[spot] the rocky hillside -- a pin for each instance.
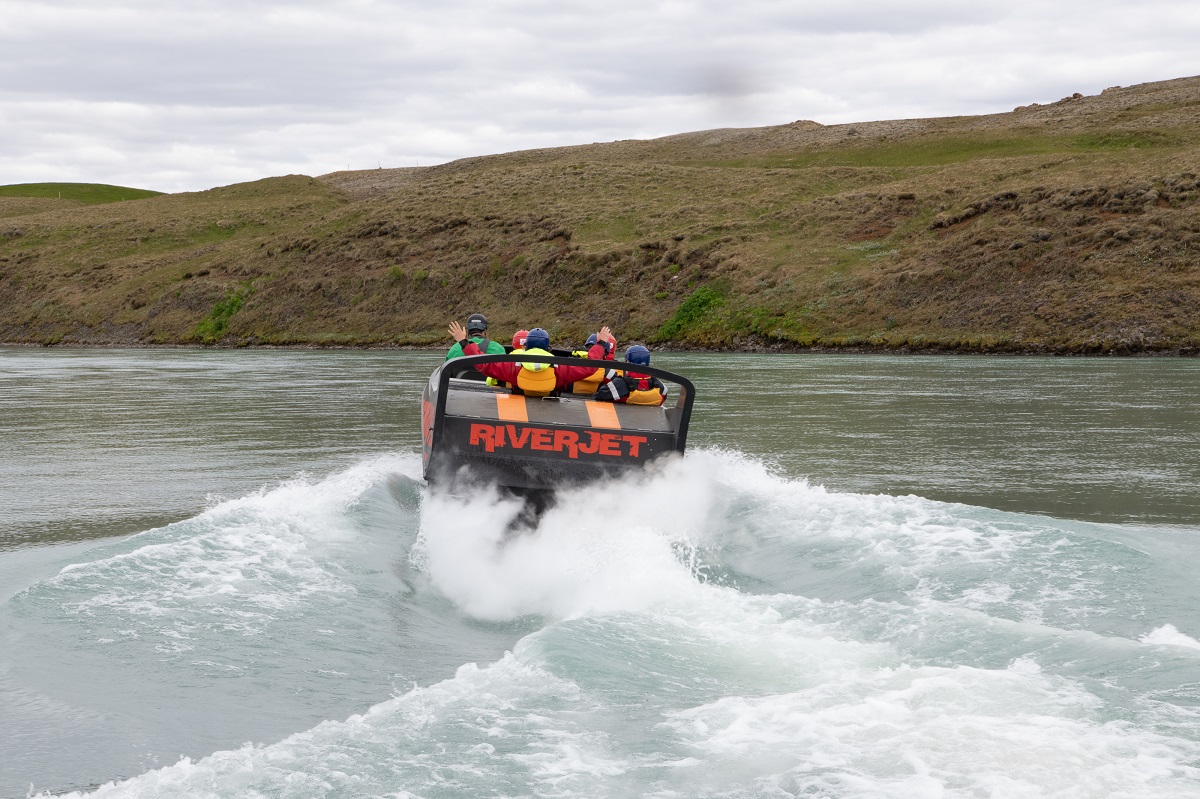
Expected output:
(1068, 227)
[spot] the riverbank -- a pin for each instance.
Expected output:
(1070, 227)
(750, 348)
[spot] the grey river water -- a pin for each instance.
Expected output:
(871, 576)
(101, 442)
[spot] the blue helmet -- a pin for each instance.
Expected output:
(591, 340)
(638, 354)
(538, 339)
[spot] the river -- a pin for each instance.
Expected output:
(871, 576)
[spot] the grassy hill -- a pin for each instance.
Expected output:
(1069, 227)
(83, 193)
(22, 199)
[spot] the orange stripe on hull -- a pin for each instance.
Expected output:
(511, 408)
(603, 414)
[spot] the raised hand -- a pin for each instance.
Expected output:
(606, 335)
(457, 331)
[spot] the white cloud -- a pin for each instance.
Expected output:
(178, 97)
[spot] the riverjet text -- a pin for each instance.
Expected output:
(494, 437)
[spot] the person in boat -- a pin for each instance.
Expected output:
(634, 388)
(476, 331)
(591, 384)
(518, 345)
(535, 379)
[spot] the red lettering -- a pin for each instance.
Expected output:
(540, 439)
(492, 437)
(610, 444)
(568, 441)
(518, 440)
(483, 434)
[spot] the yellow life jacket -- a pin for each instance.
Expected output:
(491, 381)
(652, 395)
(536, 379)
(589, 384)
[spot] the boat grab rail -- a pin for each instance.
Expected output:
(679, 415)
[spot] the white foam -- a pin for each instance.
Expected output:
(615, 695)
(446, 734)
(858, 731)
(609, 546)
(909, 534)
(1022, 567)
(616, 546)
(232, 569)
(713, 636)
(936, 731)
(1168, 635)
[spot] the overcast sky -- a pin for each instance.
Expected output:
(184, 96)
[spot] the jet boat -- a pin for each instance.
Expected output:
(475, 434)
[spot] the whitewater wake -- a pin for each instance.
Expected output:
(713, 628)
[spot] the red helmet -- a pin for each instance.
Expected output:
(519, 339)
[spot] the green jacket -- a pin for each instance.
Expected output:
(492, 348)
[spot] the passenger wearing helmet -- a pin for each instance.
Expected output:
(634, 388)
(518, 345)
(531, 378)
(590, 384)
(476, 331)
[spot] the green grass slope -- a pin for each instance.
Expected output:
(85, 193)
(1070, 227)
(22, 199)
